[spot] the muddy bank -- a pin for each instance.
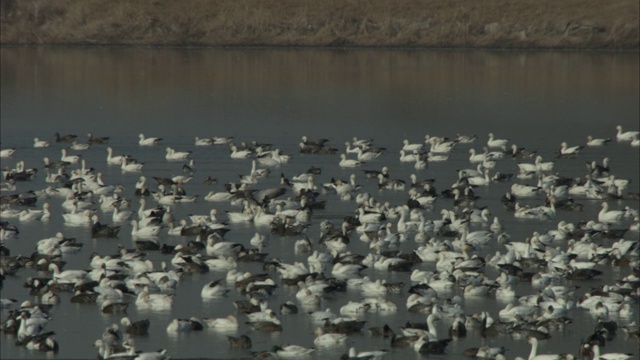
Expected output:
(568, 24)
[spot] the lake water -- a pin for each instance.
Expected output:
(535, 99)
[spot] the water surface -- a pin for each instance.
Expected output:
(535, 99)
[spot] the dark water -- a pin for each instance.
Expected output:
(537, 100)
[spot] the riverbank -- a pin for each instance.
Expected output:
(518, 24)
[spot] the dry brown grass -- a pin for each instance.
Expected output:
(397, 23)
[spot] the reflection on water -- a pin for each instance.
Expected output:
(301, 89)
(536, 99)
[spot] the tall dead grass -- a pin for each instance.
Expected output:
(389, 23)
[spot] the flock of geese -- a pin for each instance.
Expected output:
(558, 264)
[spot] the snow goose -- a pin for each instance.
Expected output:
(591, 141)
(222, 140)
(411, 147)
(354, 354)
(344, 162)
(130, 166)
(326, 340)
(496, 143)
(476, 158)
(258, 173)
(521, 190)
(172, 154)
(67, 276)
(222, 264)
(420, 164)
(533, 355)
(71, 159)
(480, 180)
(361, 142)
(413, 157)
(37, 143)
(228, 323)
(609, 216)
(367, 155)
(146, 355)
(239, 154)
(120, 215)
(114, 160)
(610, 356)
(202, 142)
(76, 217)
(147, 231)
(440, 146)
(351, 150)
(30, 326)
(78, 146)
(145, 300)
(143, 141)
(626, 136)
(292, 351)
(31, 215)
(5, 153)
(391, 184)
(431, 156)
(569, 150)
(466, 139)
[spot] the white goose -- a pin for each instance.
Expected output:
(31, 215)
(480, 180)
(121, 215)
(439, 146)
(78, 146)
(626, 136)
(67, 276)
(367, 155)
(476, 158)
(213, 290)
(323, 339)
(153, 301)
(229, 323)
(131, 166)
(172, 154)
(37, 143)
(411, 147)
(591, 141)
(147, 231)
(5, 153)
(72, 159)
(610, 216)
(569, 150)
(413, 157)
(148, 141)
(533, 355)
(609, 356)
(344, 162)
(78, 218)
(114, 160)
(202, 142)
(496, 143)
(239, 154)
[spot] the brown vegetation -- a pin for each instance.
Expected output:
(588, 24)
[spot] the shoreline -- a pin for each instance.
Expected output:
(334, 48)
(331, 24)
